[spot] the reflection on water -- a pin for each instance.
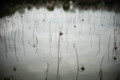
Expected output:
(33, 39)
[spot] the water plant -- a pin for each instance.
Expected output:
(100, 71)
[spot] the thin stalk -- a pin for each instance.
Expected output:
(91, 40)
(99, 43)
(9, 43)
(108, 22)
(109, 46)
(90, 31)
(94, 24)
(50, 37)
(18, 32)
(5, 42)
(59, 59)
(23, 38)
(34, 45)
(77, 61)
(48, 67)
(100, 72)
(15, 46)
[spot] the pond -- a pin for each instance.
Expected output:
(76, 44)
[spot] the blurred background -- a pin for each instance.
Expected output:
(59, 40)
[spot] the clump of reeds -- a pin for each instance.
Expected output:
(100, 72)
(48, 67)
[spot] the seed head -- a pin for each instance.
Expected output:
(115, 47)
(82, 68)
(60, 33)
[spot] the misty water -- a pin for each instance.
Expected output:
(30, 42)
